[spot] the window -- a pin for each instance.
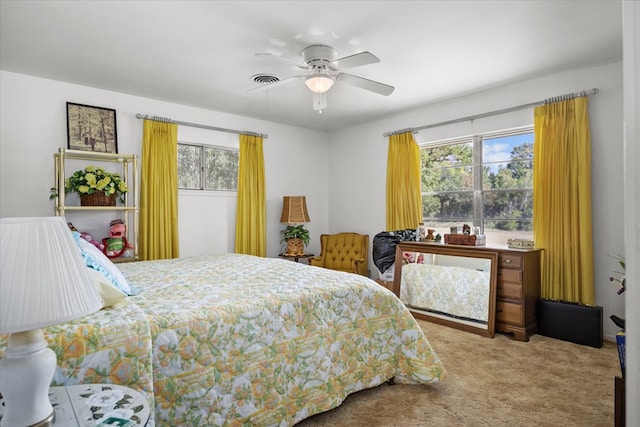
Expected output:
(205, 167)
(484, 180)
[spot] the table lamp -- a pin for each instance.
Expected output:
(295, 214)
(43, 282)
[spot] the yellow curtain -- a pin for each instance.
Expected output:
(158, 237)
(251, 231)
(562, 200)
(404, 201)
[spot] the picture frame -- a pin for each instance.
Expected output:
(91, 128)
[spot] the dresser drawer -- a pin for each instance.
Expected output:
(508, 260)
(510, 313)
(506, 275)
(510, 290)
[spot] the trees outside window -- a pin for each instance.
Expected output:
(205, 167)
(483, 180)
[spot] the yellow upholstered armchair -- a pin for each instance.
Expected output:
(344, 251)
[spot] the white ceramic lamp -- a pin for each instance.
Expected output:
(43, 282)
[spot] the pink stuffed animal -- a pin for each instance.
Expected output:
(116, 244)
(88, 238)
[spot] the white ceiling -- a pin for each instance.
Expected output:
(202, 53)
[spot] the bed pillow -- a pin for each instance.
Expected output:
(109, 293)
(95, 259)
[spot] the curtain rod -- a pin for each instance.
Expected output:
(196, 125)
(565, 97)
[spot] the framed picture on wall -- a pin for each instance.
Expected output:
(91, 128)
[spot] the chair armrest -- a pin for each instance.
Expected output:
(355, 264)
(316, 261)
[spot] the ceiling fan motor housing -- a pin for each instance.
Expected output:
(319, 55)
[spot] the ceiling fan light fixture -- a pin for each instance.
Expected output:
(319, 83)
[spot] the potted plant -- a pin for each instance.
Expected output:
(297, 237)
(96, 187)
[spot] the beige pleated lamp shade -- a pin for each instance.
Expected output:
(43, 279)
(294, 210)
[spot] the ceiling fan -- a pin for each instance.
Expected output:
(323, 69)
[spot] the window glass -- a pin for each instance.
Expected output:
(205, 167)
(447, 167)
(189, 166)
(221, 168)
(484, 181)
(507, 161)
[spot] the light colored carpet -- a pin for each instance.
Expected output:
(493, 382)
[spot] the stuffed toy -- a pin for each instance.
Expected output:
(87, 237)
(116, 244)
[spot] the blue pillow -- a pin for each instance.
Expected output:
(95, 259)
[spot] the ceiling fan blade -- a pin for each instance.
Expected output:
(319, 101)
(283, 59)
(363, 58)
(366, 84)
(268, 86)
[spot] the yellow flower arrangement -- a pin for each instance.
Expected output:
(92, 179)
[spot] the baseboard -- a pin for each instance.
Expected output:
(580, 324)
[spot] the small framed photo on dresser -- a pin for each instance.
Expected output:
(91, 128)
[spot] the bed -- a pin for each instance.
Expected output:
(236, 339)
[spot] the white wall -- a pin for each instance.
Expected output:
(33, 127)
(631, 72)
(360, 206)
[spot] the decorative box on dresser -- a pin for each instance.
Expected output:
(518, 291)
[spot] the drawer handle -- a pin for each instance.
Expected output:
(507, 261)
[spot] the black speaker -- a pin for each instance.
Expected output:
(567, 321)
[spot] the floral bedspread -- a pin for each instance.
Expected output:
(241, 340)
(110, 346)
(461, 292)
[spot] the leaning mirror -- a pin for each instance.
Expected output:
(448, 284)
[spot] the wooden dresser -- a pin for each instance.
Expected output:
(518, 292)
(518, 287)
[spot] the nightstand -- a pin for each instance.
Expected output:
(84, 405)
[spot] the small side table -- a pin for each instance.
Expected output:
(86, 405)
(297, 257)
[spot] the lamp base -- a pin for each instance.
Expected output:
(47, 422)
(295, 246)
(26, 371)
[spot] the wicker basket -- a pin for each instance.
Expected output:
(97, 199)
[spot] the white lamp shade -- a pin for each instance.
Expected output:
(43, 279)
